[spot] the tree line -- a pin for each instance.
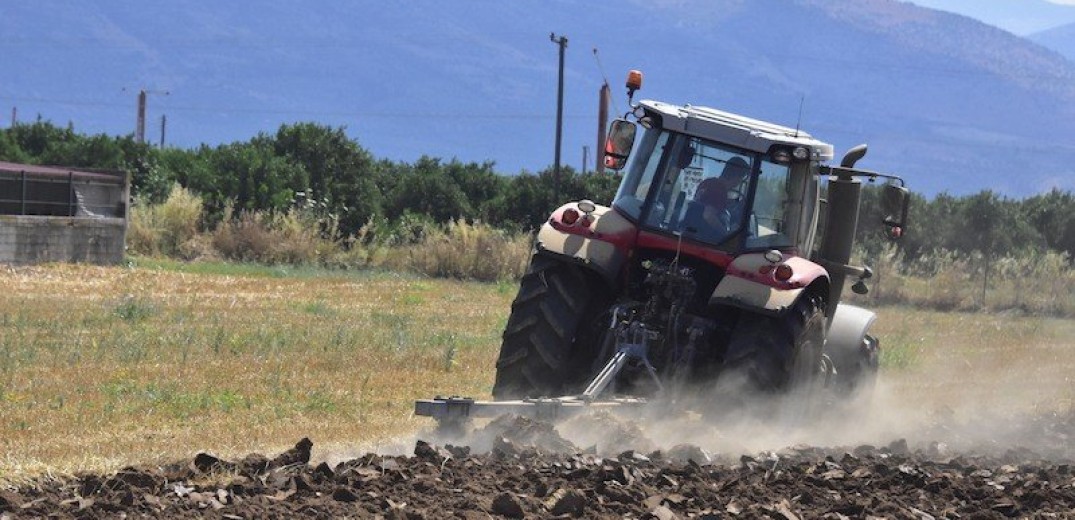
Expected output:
(319, 167)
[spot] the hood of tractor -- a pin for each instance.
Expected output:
(734, 129)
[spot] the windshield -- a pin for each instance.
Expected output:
(701, 189)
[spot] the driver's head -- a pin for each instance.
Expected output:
(735, 170)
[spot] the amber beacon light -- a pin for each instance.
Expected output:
(634, 82)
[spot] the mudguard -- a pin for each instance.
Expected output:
(601, 241)
(848, 328)
(854, 354)
(748, 283)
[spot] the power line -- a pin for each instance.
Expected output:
(359, 114)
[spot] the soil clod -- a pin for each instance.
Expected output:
(527, 469)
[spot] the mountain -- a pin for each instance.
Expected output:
(949, 102)
(1017, 16)
(1060, 39)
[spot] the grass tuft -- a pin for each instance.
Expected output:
(133, 308)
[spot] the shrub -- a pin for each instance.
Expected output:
(287, 238)
(466, 251)
(1033, 281)
(165, 228)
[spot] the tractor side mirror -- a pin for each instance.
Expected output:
(621, 138)
(894, 202)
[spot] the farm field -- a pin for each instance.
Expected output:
(106, 367)
(101, 367)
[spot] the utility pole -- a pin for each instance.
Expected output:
(14, 116)
(585, 158)
(562, 43)
(140, 126)
(164, 124)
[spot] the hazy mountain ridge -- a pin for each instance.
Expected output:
(953, 103)
(1060, 39)
(1021, 17)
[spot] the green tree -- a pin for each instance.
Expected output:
(10, 150)
(427, 189)
(340, 172)
(1053, 216)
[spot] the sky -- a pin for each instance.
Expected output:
(1022, 17)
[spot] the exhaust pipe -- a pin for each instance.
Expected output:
(844, 198)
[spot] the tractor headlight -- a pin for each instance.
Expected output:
(801, 153)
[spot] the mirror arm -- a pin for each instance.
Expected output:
(840, 171)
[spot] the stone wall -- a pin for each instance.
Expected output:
(38, 239)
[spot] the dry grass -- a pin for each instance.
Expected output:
(102, 367)
(166, 228)
(1033, 282)
(300, 237)
(105, 367)
(465, 251)
(978, 362)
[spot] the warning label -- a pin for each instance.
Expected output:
(690, 178)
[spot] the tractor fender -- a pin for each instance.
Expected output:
(846, 343)
(748, 283)
(848, 328)
(600, 241)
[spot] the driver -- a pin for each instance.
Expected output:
(719, 196)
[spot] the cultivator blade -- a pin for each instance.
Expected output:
(456, 409)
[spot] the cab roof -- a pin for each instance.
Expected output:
(734, 129)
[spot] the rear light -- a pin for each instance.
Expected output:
(783, 272)
(570, 216)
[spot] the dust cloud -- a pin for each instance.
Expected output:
(1015, 404)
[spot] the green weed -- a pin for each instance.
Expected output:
(134, 308)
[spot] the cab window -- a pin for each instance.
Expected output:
(639, 178)
(768, 218)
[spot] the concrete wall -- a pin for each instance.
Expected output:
(36, 239)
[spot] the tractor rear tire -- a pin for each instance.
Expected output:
(538, 356)
(778, 355)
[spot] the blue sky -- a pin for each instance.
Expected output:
(1022, 17)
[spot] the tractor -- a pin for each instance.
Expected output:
(703, 269)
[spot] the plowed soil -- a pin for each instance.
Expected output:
(525, 468)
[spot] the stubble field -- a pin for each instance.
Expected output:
(103, 368)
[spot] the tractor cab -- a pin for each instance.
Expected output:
(717, 179)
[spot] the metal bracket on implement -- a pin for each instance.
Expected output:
(459, 409)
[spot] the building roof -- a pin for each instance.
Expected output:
(61, 171)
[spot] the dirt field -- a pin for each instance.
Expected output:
(531, 471)
(121, 377)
